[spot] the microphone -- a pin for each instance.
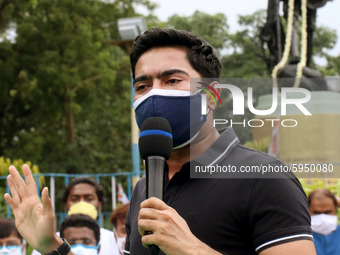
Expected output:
(155, 147)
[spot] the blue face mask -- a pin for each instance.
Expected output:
(181, 108)
(80, 249)
(11, 250)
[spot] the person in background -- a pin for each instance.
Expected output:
(326, 231)
(117, 219)
(83, 195)
(83, 234)
(11, 241)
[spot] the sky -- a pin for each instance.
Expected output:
(327, 15)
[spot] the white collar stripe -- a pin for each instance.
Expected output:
(225, 151)
(282, 239)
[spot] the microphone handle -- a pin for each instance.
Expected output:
(155, 176)
(154, 183)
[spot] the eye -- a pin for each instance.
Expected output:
(173, 81)
(89, 198)
(140, 87)
(71, 241)
(74, 198)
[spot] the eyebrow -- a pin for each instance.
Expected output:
(159, 76)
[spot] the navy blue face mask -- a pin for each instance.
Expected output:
(180, 108)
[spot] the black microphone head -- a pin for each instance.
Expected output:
(155, 138)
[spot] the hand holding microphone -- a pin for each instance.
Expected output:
(160, 226)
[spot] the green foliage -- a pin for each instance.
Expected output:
(261, 145)
(308, 187)
(247, 59)
(65, 93)
(65, 89)
(5, 163)
(333, 66)
(213, 28)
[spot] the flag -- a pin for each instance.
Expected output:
(275, 139)
(122, 197)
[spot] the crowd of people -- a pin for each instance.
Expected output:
(83, 200)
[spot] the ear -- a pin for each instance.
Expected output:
(23, 248)
(216, 94)
(66, 207)
(99, 207)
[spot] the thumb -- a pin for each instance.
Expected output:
(47, 204)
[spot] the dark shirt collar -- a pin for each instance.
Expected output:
(219, 150)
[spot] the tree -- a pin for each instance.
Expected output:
(65, 92)
(213, 28)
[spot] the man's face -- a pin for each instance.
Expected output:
(83, 192)
(322, 204)
(120, 228)
(83, 235)
(12, 240)
(163, 68)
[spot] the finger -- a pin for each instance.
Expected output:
(146, 225)
(19, 182)
(10, 202)
(148, 213)
(47, 203)
(31, 185)
(154, 203)
(148, 240)
(15, 195)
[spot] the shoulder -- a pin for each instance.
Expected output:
(104, 231)
(107, 242)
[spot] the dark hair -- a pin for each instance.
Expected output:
(201, 54)
(99, 189)
(324, 192)
(119, 213)
(80, 220)
(7, 227)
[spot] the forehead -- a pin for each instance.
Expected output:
(82, 189)
(78, 233)
(159, 59)
(321, 201)
(11, 238)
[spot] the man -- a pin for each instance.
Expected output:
(85, 195)
(11, 241)
(198, 216)
(82, 232)
(85, 189)
(205, 216)
(326, 231)
(117, 219)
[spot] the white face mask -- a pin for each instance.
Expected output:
(121, 244)
(10, 250)
(80, 249)
(324, 224)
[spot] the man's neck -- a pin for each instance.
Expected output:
(179, 156)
